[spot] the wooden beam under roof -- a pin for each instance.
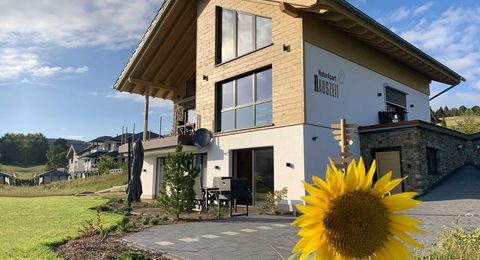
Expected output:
(173, 57)
(182, 64)
(166, 46)
(144, 83)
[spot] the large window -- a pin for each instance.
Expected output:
(245, 102)
(240, 33)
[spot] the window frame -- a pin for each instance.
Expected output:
(219, 110)
(218, 35)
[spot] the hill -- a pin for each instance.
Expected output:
(69, 141)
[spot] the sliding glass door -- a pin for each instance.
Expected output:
(256, 165)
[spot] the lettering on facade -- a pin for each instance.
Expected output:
(327, 84)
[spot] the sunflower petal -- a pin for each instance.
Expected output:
(406, 238)
(380, 184)
(314, 191)
(351, 177)
(369, 178)
(399, 202)
(403, 220)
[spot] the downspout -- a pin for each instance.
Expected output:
(447, 89)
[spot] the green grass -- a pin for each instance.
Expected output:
(30, 225)
(23, 172)
(94, 183)
(452, 121)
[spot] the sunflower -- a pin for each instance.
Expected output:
(347, 217)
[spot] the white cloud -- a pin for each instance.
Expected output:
(403, 13)
(423, 8)
(95, 94)
(452, 38)
(26, 63)
(127, 97)
(111, 24)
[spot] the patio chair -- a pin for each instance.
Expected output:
(199, 195)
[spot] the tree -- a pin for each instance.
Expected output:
(106, 163)
(440, 113)
(476, 110)
(462, 110)
(178, 195)
(57, 154)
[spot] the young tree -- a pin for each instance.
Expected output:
(462, 110)
(105, 164)
(178, 195)
(57, 154)
(476, 110)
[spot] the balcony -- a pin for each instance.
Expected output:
(385, 117)
(165, 144)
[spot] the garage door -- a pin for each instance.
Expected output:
(389, 161)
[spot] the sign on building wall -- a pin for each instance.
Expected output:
(339, 88)
(328, 84)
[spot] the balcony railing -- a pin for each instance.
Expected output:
(385, 117)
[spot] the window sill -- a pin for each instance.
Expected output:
(243, 130)
(239, 57)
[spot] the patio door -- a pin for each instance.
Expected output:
(256, 165)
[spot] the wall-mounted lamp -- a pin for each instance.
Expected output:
(315, 138)
(411, 105)
(286, 48)
(379, 94)
(459, 147)
(205, 77)
(290, 165)
(144, 170)
(217, 167)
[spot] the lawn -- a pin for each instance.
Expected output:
(452, 121)
(23, 172)
(92, 184)
(30, 225)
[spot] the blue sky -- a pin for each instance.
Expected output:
(59, 59)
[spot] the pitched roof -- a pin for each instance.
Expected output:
(4, 174)
(94, 155)
(118, 138)
(53, 173)
(101, 139)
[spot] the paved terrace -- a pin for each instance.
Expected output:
(457, 198)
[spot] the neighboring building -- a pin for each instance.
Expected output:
(52, 176)
(4, 179)
(268, 78)
(75, 164)
(83, 158)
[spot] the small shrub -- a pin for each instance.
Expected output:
(165, 218)
(92, 227)
(146, 220)
(155, 221)
(131, 255)
(126, 209)
(103, 208)
(455, 243)
(272, 201)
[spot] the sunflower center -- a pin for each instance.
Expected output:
(356, 224)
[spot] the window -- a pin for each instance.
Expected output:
(245, 102)
(432, 161)
(241, 33)
(396, 100)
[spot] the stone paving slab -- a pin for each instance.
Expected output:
(455, 200)
(240, 238)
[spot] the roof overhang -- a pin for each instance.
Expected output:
(347, 18)
(165, 57)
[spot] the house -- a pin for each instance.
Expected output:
(75, 164)
(52, 176)
(83, 158)
(267, 79)
(4, 179)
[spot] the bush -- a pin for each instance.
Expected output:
(146, 220)
(455, 243)
(125, 225)
(177, 195)
(272, 201)
(131, 255)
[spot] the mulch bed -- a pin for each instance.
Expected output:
(98, 248)
(110, 246)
